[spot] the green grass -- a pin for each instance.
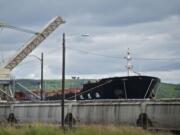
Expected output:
(39, 129)
(35, 129)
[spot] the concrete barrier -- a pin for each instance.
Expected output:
(159, 114)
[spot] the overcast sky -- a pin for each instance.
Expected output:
(150, 28)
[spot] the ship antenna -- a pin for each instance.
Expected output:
(129, 65)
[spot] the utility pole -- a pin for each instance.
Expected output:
(63, 80)
(42, 84)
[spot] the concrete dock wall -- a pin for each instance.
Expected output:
(163, 114)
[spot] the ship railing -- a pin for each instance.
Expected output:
(91, 89)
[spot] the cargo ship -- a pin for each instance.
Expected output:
(127, 87)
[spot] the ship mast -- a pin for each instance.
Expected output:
(129, 65)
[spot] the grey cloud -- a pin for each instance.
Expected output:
(89, 12)
(148, 28)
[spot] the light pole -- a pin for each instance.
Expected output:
(42, 82)
(63, 76)
(42, 77)
(63, 80)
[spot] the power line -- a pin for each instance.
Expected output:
(158, 59)
(94, 53)
(116, 57)
(4, 25)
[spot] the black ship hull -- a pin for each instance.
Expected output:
(131, 87)
(128, 87)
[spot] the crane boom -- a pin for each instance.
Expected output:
(33, 43)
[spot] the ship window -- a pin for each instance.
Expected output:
(118, 92)
(81, 97)
(89, 96)
(97, 95)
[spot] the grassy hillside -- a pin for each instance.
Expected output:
(169, 91)
(50, 84)
(165, 90)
